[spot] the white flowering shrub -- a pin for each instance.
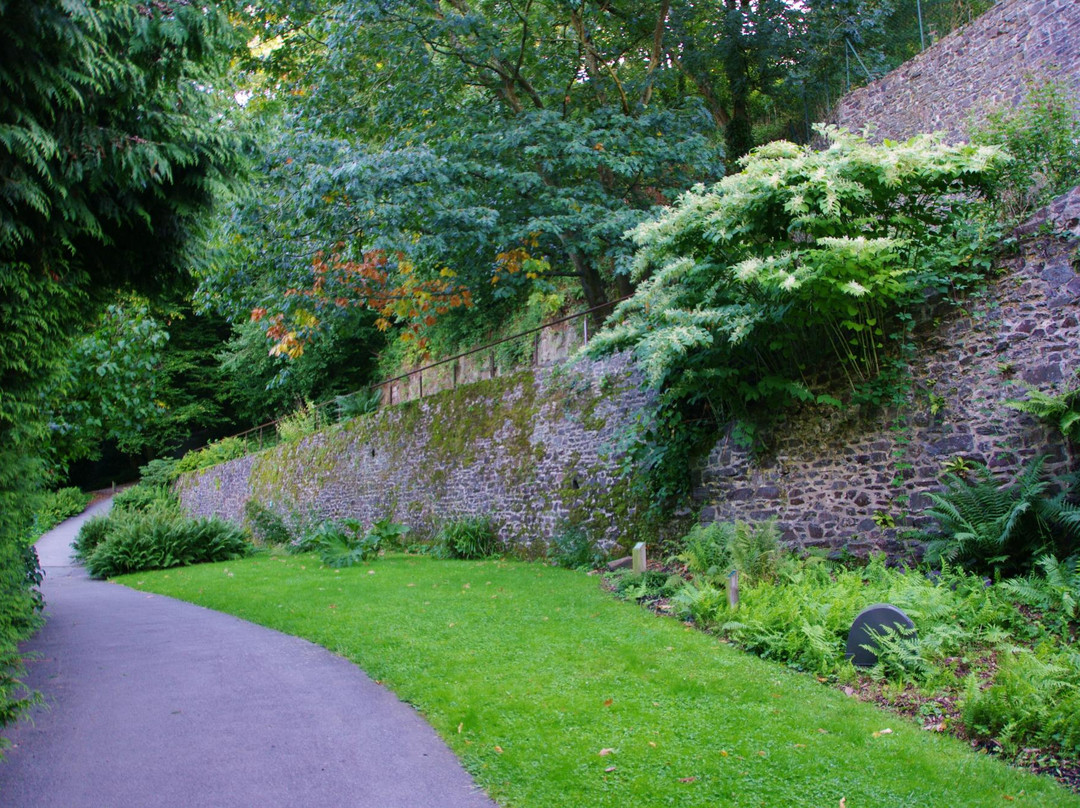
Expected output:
(802, 259)
(799, 270)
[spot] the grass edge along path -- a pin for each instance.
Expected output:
(555, 694)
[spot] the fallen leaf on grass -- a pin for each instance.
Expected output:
(652, 744)
(687, 779)
(499, 749)
(843, 802)
(606, 751)
(460, 727)
(609, 769)
(608, 702)
(885, 731)
(723, 753)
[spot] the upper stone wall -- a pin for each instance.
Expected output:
(971, 71)
(834, 478)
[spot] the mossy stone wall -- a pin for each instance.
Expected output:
(532, 450)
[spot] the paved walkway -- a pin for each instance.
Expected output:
(154, 702)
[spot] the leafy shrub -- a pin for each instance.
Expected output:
(471, 537)
(806, 264)
(266, 525)
(160, 538)
(160, 472)
(699, 602)
(713, 551)
(1034, 700)
(389, 533)
(56, 506)
(1061, 411)
(359, 403)
(1055, 592)
(649, 585)
(802, 618)
(343, 543)
(299, 424)
(1042, 135)
(705, 551)
(141, 498)
(213, 453)
(573, 548)
(93, 532)
(989, 527)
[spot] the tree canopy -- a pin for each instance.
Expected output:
(110, 152)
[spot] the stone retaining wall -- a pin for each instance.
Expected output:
(979, 66)
(531, 450)
(836, 479)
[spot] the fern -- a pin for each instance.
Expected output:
(997, 528)
(1061, 411)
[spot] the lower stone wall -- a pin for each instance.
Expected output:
(530, 450)
(834, 478)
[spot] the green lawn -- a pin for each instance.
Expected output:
(555, 694)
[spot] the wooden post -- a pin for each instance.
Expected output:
(639, 557)
(733, 589)
(421, 374)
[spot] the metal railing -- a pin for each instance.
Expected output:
(322, 419)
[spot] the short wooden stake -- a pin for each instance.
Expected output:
(733, 589)
(639, 557)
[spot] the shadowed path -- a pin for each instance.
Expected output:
(155, 702)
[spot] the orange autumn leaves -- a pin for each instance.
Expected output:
(392, 288)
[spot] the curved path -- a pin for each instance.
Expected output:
(154, 702)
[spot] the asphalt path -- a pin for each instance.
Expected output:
(154, 702)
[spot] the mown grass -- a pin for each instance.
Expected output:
(530, 672)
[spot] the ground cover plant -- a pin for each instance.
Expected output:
(56, 506)
(147, 529)
(555, 694)
(991, 660)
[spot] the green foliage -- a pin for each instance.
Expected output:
(213, 453)
(109, 156)
(142, 497)
(573, 548)
(92, 533)
(711, 552)
(990, 527)
(160, 538)
(705, 551)
(699, 602)
(303, 421)
(1034, 700)
(1054, 589)
(647, 586)
(1042, 135)
(388, 533)
(469, 537)
(56, 506)
(266, 524)
(159, 472)
(344, 543)
(762, 291)
(1061, 411)
(109, 386)
(362, 402)
(264, 388)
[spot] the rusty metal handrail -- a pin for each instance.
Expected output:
(486, 347)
